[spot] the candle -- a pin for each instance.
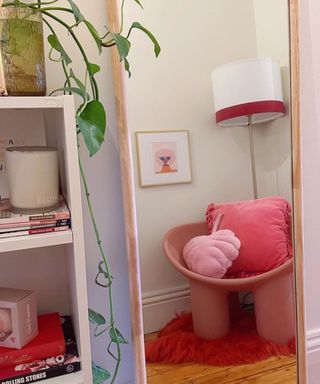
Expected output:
(5, 321)
(33, 179)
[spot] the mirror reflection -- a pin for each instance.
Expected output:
(211, 134)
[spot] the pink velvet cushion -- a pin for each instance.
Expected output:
(262, 226)
(212, 255)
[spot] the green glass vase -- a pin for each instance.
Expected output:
(22, 63)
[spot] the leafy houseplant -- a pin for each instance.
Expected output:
(91, 124)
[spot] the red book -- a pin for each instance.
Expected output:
(46, 368)
(49, 342)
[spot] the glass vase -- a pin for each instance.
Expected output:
(22, 63)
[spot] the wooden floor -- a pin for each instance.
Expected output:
(278, 370)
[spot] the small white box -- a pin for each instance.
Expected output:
(18, 317)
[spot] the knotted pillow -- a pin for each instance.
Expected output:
(262, 226)
(212, 255)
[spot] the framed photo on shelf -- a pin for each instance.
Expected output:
(163, 157)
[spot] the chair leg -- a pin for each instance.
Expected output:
(210, 310)
(274, 309)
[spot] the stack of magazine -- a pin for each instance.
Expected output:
(13, 224)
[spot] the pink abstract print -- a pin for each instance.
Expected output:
(164, 157)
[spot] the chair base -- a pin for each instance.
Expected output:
(210, 311)
(274, 309)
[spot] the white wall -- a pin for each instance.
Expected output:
(310, 120)
(273, 139)
(174, 92)
(103, 174)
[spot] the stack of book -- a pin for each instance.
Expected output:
(52, 353)
(13, 224)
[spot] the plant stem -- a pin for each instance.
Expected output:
(62, 61)
(102, 253)
(55, 9)
(96, 231)
(93, 82)
(121, 23)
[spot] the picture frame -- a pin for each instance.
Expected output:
(163, 157)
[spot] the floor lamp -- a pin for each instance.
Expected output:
(248, 92)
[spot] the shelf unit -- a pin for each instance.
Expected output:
(53, 264)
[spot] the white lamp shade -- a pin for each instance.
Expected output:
(247, 87)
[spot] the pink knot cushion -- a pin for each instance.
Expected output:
(211, 255)
(262, 226)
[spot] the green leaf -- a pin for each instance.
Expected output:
(96, 318)
(123, 45)
(100, 375)
(92, 123)
(127, 67)
(80, 18)
(138, 2)
(116, 336)
(94, 34)
(76, 12)
(55, 44)
(93, 68)
(157, 48)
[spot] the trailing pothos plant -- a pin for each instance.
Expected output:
(91, 124)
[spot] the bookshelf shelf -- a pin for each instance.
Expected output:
(35, 241)
(44, 102)
(50, 264)
(72, 378)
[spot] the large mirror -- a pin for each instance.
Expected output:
(213, 124)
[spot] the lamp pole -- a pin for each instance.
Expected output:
(253, 161)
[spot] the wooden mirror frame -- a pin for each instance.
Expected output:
(130, 205)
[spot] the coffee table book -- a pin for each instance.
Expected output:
(47, 368)
(49, 342)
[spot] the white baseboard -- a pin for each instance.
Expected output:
(159, 307)
(313, 346)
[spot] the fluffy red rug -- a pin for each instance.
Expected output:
(177, 344)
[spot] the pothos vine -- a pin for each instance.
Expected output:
(91, 124)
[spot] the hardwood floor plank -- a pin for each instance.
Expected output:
(278, 370)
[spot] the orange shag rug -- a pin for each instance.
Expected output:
(178, 344)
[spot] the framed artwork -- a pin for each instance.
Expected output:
(163, 157)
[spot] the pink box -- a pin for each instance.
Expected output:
(18, 317)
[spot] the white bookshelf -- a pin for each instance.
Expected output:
(32, 102)
(35, 241)
(72, 378)
(53, 264)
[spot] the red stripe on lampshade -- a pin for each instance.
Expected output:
(246, 109)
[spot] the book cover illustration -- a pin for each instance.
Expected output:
(46, 368)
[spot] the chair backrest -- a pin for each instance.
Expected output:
(175, 239)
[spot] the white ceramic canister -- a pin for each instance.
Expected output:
(33, 178)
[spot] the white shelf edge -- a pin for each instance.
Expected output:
(35, 241)
(31, 102)
(70, 378)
